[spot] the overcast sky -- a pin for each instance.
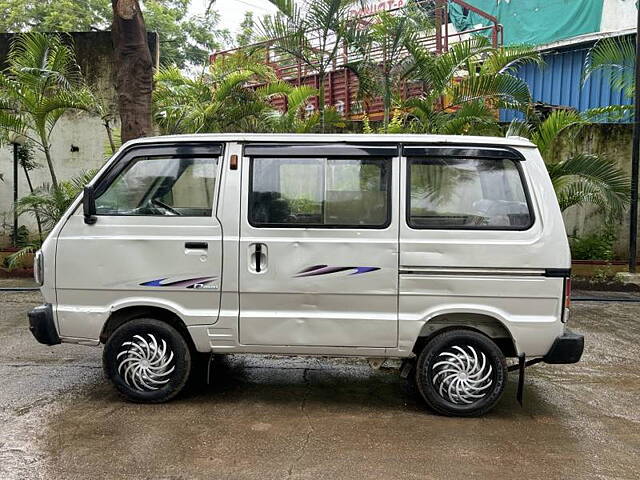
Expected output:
(232, 11)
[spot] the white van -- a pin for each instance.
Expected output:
(448, 252)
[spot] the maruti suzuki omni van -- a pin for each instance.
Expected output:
(447, 252)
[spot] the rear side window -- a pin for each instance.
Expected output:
(320, 192)
(467, 193)
(162, 186)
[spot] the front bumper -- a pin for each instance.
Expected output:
(42, 326)
(567, 348)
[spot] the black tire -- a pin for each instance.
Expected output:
(158, 372)
(453, 383)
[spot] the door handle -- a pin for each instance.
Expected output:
(258, 258)
(196, 246)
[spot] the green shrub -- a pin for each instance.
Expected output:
(597, 246)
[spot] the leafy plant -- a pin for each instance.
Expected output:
(385, 59)
(615, 59)
(465, 86)
(20, 238)
(219, 100)
(313, 35)
(48, 203)
(41, 83)
(581, 178)
(295, 118)
(596, 246)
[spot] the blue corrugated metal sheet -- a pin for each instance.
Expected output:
(559, 82)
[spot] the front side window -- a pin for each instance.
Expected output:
(162, 186)
(467, 193)
(320, 192)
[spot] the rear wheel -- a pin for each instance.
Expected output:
(147, 360)
(461, 373)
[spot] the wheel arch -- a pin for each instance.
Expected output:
(119, 317)
(481, 322)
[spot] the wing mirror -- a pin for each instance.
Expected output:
(89, 205)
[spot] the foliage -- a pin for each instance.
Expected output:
(614, 58)
(185, 38)
(219, 100)
(247, 33)
(465, 86)
(312, 34)
(581, 178)
(295, 118)
(41, 83)
(48, 204)
(388, 36)
(597, 246)
(20, 238)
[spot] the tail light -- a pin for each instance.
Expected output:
(567, 299)
(38, 268)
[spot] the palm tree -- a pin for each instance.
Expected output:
(582, 178)
(385, 59)
(295, 118)
(466, 85)
(312, 35)
(615, 58)
(47, 204)
(41, 83)
(220, 100)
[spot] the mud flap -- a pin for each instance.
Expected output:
(523, 363)
(521, 368)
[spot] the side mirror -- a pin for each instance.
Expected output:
(89, 206)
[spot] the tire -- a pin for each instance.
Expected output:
(148, 361)
(461, 373)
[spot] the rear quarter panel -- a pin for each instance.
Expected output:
(495, 273)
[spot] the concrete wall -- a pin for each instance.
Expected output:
(618, 15)
(614, 141)
(94, 51)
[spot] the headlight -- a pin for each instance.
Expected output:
(38, 268)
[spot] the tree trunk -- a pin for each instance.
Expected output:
(26, 174)
(112, 143)
(134, 66)
(47, 154)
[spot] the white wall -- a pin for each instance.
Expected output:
(618, 15)
(78, 129)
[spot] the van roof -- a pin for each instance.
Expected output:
(359, 138)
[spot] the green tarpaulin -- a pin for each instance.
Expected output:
(533, 22)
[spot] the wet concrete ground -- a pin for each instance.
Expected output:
(275, 418)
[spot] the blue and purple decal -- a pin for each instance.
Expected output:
(198, 282)
(327, 269)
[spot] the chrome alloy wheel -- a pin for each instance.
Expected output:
(462, 376)
(143, 363)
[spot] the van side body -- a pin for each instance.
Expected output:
(338, 245)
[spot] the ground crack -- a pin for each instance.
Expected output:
(310, 429)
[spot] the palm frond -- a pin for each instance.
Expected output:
(587, 178)
(509, 59)
(519, 128)
(286, 7)
(550, 129)
(501, 86)
(615, 58)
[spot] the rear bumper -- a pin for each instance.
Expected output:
(567, 348)
(42, 326)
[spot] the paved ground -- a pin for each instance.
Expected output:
(274, 418)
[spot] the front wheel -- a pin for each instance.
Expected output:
(461, 373)
(147, 361)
